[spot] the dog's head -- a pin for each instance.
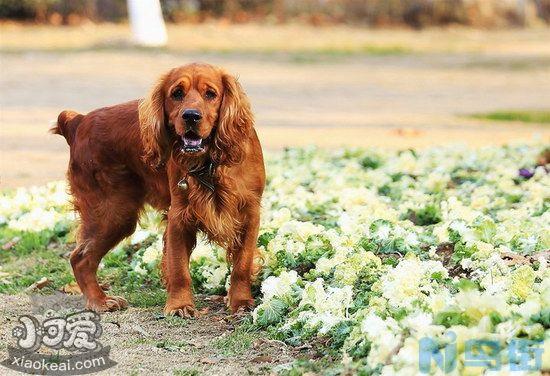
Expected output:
(193, 110)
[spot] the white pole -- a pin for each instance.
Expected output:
(147, 24)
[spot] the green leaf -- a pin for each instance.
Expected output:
(271, 312)
(485, 229)
(428, 215)
(451, 318)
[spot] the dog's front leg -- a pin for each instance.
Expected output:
(240, 295)
(179, 244)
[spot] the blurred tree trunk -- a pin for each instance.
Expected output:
(91, 10)
(41, 14)
(279, 10)
(231, 8)
(147, 23)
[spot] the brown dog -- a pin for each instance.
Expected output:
(189, 148)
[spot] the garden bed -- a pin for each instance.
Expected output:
(366, 253)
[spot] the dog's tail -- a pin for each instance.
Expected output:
(66, 125)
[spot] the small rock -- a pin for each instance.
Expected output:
(140, 330)
(159, 316)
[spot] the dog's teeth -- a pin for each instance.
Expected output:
(192, 142)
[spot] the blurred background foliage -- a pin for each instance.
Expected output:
(377, 13)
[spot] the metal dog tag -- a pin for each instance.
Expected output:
(183, 184)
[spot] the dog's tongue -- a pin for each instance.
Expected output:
(192, 142)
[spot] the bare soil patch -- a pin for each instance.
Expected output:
(144, 342)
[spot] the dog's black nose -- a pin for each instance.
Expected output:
(191, 116)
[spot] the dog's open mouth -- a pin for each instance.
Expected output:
(192, 142)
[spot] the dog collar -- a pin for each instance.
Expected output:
(204, 174)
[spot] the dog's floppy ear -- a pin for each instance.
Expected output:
(154, 133)
(234, 125)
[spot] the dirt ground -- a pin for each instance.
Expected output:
(145, 343)
(323, 96)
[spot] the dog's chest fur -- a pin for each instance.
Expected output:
(217, 213)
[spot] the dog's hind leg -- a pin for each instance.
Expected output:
(103, 224)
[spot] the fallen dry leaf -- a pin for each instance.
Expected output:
(215, 298)
(514, 259)
(544, 158)
(257, 344)
(40, 284)
(204, 311)
(195, 344)
(262, 359)
(407, 132)
(10, 244)
(71, 288)
(544, 254)
(209, 360)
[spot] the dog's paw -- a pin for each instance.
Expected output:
(240, 306)
(186, 311)
(107, 304)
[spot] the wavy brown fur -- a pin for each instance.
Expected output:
(130, 154)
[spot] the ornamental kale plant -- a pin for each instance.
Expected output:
(366, 251)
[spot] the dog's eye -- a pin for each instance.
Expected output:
(210, 94)
(178, 94)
